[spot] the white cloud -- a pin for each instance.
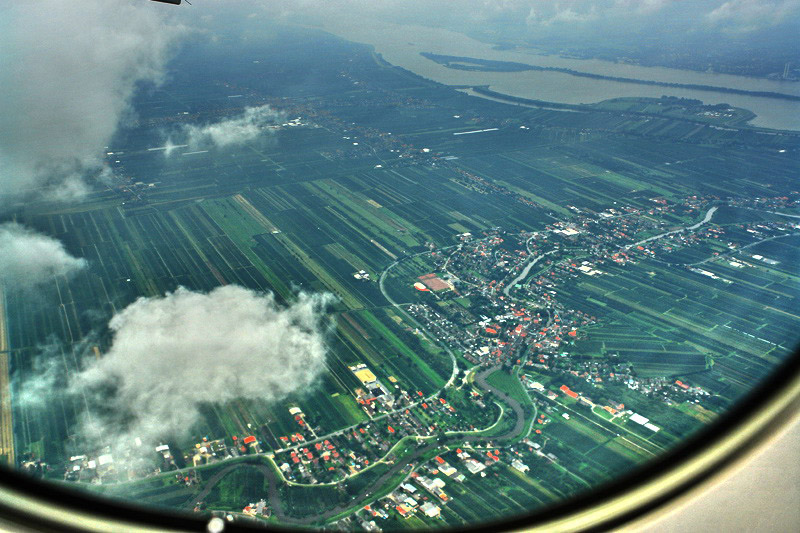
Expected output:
(569, 15)
(68, 71)
(171, 354)
(250, 125)
(35, 389)
(560, 14)
(28, 258)
(644, 6)
(751, 15)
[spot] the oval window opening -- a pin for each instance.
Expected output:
(399, 265)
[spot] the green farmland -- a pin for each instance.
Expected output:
(365, 198)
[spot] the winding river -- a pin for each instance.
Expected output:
(401, 45)
(706, 219)
(526, 271)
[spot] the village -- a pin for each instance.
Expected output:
(512, 281)
(496, 300)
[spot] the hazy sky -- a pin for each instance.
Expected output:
(575, 20)
(69, 70)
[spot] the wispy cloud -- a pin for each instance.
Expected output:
(252, 124)
(561, 14)
(28, 258)
(752, 15)
(68, 71)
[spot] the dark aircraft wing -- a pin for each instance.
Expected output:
(176, 2)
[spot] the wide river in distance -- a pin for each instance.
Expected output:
(401, 45)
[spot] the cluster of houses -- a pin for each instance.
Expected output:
(105, 466)
(424, 491)
(347, 452)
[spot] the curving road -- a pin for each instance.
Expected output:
(273, 477)
(419, 326)
(706, 219)
(732, 252)
(526, 270)
(273, 493)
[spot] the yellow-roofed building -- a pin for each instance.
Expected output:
(365, 376)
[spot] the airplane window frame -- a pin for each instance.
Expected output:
(46, 506)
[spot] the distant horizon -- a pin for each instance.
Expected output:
(382, 274)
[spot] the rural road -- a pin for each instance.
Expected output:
(272, 490)
(527, 270)
(425, 332)
(732, 252)
(273, 477)
(706, 219)
(273, 493)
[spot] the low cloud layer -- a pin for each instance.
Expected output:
(752, 15)
(171, 354)
(28, 258)
(248, 126)
(568, 22)
(68, 71)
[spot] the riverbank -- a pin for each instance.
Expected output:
(482, 65)
(401, 45)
